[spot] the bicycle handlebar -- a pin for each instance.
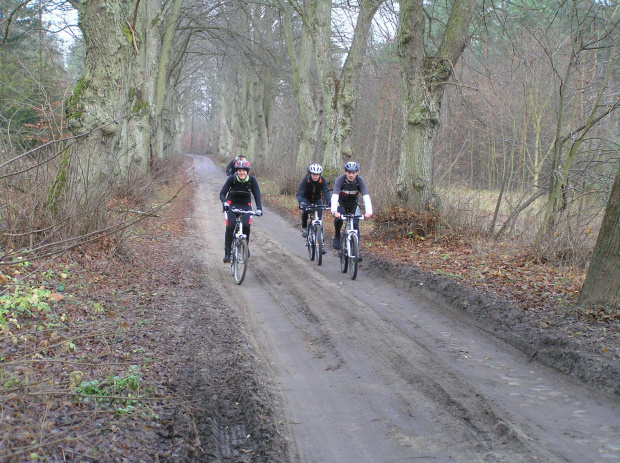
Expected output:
(316, 207)
(352, 216)
(241, 211)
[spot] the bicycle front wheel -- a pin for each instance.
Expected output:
(241, 261)
(232, 259)
(310, 243)
(318, 244)
(344, 257)
(353, 256)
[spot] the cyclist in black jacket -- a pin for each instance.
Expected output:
(312, 190)
(345, 198)
(230, 168)
(237, 192)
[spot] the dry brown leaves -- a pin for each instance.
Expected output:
(77, 376)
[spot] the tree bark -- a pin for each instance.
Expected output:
(602, 285)
(424, 78)
(301, 58)
(123, 98)
(340, 107)
(103, 99)
(163, 107)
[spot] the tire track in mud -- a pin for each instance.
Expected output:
(230, 406)
(343, 331)
(295, 299)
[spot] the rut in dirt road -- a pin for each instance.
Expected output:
(365, 371)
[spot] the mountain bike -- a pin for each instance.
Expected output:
(239, 252)
(349, 245)
(314, 240)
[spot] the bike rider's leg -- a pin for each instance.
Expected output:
(337, 227)
(228, 235)
(247, 226)
(304, 222)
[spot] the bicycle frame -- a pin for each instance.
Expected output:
(349, 245)
(314, 240)
(239, 249)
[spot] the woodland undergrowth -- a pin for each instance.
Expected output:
(77, 365)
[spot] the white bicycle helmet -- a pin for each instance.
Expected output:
(351, 166)
(315, 169)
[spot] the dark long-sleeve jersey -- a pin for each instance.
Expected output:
(240, 193)
(312, 191)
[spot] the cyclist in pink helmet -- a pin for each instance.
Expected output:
(237, 193)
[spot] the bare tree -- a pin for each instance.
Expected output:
(336, 107)
(424, 79)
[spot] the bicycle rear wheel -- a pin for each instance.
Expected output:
(318, 244)
(354, 243)
(344, 257)
(241, 261)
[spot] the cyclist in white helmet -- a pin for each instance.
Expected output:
(312, 190)
(230, 168)
(345, 198)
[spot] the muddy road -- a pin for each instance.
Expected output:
(367, 371)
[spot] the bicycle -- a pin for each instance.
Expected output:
(314, 240)
(239, 252)
(349, 245)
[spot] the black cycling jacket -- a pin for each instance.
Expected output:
(310, 191)
(240, 193)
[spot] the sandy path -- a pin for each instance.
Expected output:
(363, 371)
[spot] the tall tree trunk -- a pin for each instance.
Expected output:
(301, 58)
(340, 112)
(602, 285)
(104, 98)
(340, 107)
(227, 145)
(162, 112)
(424, 80)
(320, 27)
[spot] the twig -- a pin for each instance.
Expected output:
(133, 35)
(111, 397)
(81, 240)
(29, 448)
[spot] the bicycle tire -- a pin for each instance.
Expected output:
(318, 244)
(353, 257)
(344, 257)
(241, 261)
(310, 243)
(232, 259)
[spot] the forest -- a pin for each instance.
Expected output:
(497, 118)
(485, 129)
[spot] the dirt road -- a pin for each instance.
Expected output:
(366, 371)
